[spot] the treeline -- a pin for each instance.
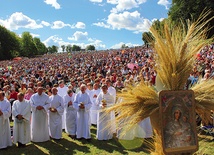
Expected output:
(70, 48)
(183, 10)
(12, 45)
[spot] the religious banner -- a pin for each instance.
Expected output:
(178, 121)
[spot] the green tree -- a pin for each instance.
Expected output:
(63, 48)
(124, 46)
(53, 49)
(49, 49)
(68, 48)
(9, 44)
(76, 48)
(147, 38)
(159, 25)
(41, 48)
(182, 10)
(90, 47)
(28, 47)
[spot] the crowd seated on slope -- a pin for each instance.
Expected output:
(121, 67)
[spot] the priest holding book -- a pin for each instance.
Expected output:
(105, 121)
(82, 104)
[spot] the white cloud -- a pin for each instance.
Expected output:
(34, 35)
(141, 1)
(122, 5)
(90, 39)
(97, 43)
(53, 3)
(132, 45)
(112, 1)
(154, 19)
(59, 25)
(52, 40)
(19, 20)
(102, 5)
(164, 3)
(161, 19)
(101, 24)
(80, 25)
(78, 35)
(126, 20)
(99, 2)
(96, 1)
(116, 46)
(57, 41)
(45, 23)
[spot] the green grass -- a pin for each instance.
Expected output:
(68, 146)
(206, 145)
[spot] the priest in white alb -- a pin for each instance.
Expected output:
(113, 92)
(93, 111)
(55, 114)
(70, 114)
(111, 89)
(105, 121)
(5, 113)
(82, 104)
(62, 91)
(124, 131)
(39, 124)
(21, 111)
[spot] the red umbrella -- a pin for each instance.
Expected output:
(132, 66)
(17, 58)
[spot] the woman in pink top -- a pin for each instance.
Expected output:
(28, 94)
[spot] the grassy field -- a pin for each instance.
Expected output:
(68, 146)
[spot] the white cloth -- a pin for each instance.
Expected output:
(83, 115)
(55, 118)
(112, 91)
(126, 132)
(62, 92)
(88, 91)
(144, 129)
(105, 121)
(21, 129)
(39, 123)
(94, 107)
(70, 115)
(5, 133)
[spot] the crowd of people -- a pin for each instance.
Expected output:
(204, 66)
(70, 90)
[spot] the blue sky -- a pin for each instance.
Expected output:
(103, 23)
